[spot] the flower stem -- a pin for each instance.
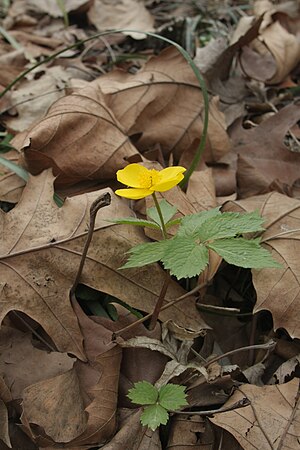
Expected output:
(163, 226)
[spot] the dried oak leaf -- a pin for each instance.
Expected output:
(20, 359)
(79, 138)
(271, 421)
(278, 290)
(163, 103)
(264, 161)
(4, 434)
(41, 248)
(79, 406)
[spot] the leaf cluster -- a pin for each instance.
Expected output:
(157, 401)
(187, 253)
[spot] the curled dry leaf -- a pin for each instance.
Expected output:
(271, 421)
(41, 251)
(79, 138)
(164, 104)
(278, 290)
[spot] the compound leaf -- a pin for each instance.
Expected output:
(172, 396)
(143, 393)
(229, 224)
(143, 254)
(153, 416)
(135, 221)
(184, 257)
(244, 253)
(190, 224)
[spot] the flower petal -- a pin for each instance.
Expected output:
(131, 174)
(170, 177)
(134, 194)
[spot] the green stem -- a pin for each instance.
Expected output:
(163, 226)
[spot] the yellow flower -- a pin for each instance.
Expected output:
(143, 182)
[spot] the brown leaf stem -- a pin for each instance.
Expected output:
(100, 202)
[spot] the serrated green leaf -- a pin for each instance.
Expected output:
(229, 224)
(244, 253)
(171, 223)
(184, 257)
(148, 253)
(189, 224)
(135, 221)
(167, 211)
(172, 396)
(143, 393)
(153, 416)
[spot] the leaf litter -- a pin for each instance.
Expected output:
(75, 121)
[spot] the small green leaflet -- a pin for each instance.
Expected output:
(143, 393)
(135, 221)
(153, 416)
(172, 396)
(184, 257)
(190, 224)
(229, 224)
(167, 211)
(148, 253)
(244, 253)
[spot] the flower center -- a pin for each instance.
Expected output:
(149, 179)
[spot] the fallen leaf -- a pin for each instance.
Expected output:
(264, 161)
(4, 435)
(57, 406)
(270, 421)
(121, 14)
(19, 360)
(286, 370)
(33, 98)
(79, 138)
(163, 103)
(53, 9)
(277, 289)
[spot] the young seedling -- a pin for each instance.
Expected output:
(157, 402)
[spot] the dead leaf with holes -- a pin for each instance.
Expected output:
(271, 421)
(163, 103)
(278, 290)
(41, 248)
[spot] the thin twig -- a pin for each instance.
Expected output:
(268, 346)
(240, 404)
(100, 202)
(159, 302)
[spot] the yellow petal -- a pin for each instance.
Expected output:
(131, 175)
(134, 194)
(170, 177)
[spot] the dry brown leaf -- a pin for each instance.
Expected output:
(11, 187)
(286, 370)
(163, 103)
(79, 138)
(33, 98)
(271, 421)
(264, 162)
(41, 251)
(278, 290)
(121, 14)
(132, 435)
(53, 9)
(4, 434)
(19, 360)
(57, 406)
